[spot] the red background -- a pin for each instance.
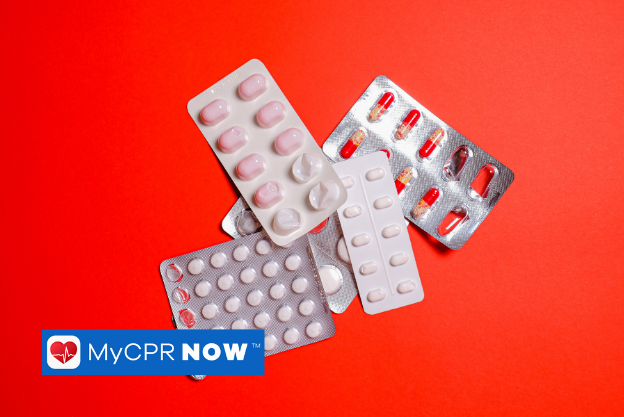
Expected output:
(105, 175)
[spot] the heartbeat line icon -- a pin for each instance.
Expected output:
(65, 355)
(63, 352)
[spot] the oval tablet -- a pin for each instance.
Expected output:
(271, 114)
(210, 311)
(300, 285)
(248, 275)
(196, 266)
(352, 211)
(284, 314)
(240, 253)
(293, 262)
(215, 112)
(270, 269)
(233, 139)
(253, 87)
(291, 336)
(331, 278)
(286, 221)
(406, 286)
(254, 298)
(348, 182)
(375, 174)
(261, 320)
(288, 141)
(269, 194)
(361, 239)
(270, 342)
(313, 330)
(341, 248)
(202, 288)
(225, 282)
(239, 324)
(306, 307)
(376, 295)
(250, 167)
(368, 268)
(232, 304)
(218, 260)
(390, 231)
(263, 247)
(398, 259)
(277, 291)
(383, 202)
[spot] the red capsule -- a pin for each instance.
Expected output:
(429, 146)
(318, 229)
(188, 317)
(453, 219)
(480, 186)
(426, 202)
(403, 178)
(353, 143)
(407, 124)
(382, 105)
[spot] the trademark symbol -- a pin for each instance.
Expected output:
(256, 345)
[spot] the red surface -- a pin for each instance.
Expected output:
(105, 175)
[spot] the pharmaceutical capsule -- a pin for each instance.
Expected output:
(250, 167)
(269, 194)
(426, 202)
(375, 174)
(382, 105)
(353, 143)
(404, 177)
(429, 146)
(352, 211)
(361, 239)
(480, 186)
(368, 268)
(233, 139)
(253, 87)
(406, 286)
(288, 141)
(407, 124)
(215, 112)
(390, 231)
(376, 295)
(271, 114)
(398, 259)
(453, 219)
(383, 202)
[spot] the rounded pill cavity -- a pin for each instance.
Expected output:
(454, 166)
(174, 273)
(293, 262)
(352, 211)
(300, 285)
(240, 253)
(269, 194)
(480, 186)
(376, 295)
(306, 307)
(368, 268)
(225, 282)
(218, 260)
(375, 174)
(215, 112)
(284, 314)
(314, 329)
(383, 202)
(286, 221)
(270, 342)
(306, 167)
(202, 289)
(246, 223)
(271, 114)
(253, 87)
(248, 275)
(233, 139)
(261, 320)
(196, 266)
(254, 298)
(232, 304)
(323, 195)
(331, 278)
(250, 167)
(291, 336)
(277, 291)
(361, 239)
(406, 286)
(263, 247)
(187, 317)
(270, 269)
(288, 141)
(348, 182)
(181, 296)
(239, 324)
(341, 248)
(391, 231)
(398, 259)
(210, 311)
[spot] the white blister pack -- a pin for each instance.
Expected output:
(268, 152)
(251, 283)
(376, 235)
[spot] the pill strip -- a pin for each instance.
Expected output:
(376, 235)
(324, 241)
(445, 151)
(262, 163)
(247, 283)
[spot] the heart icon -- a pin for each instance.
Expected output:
(63, 352)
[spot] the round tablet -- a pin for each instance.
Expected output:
(277, 291)
(284, 314)
(299, 285)
(174, 273)
(217, 328)
(270, 269)
(314, 329)
(263, 247)
(341, 248)
(262, 320)
(218, 260)
(254, 298)
(247, 275)
(232, 304)
(240, 253)
(293, 262)
(306, 307)
(225, 282)
(270, 342)
(196, 266)
(202, 288)
(210, 311)
(291, 336)
(239, 324)
(331, 277)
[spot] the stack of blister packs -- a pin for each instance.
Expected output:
(313, 229)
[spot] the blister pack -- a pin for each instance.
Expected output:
(447, 184)
(328, 249)
(251, 283)
(268, 152)
(376, 235)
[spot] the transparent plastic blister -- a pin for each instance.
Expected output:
(328, 249)
(268, 152)
(251, 283)
(464, 175)
(376, 235)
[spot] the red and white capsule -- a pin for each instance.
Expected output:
(382, 105)
(425, 203)
(404, 177)
(353, 143)
(429, 146)
(407, 124)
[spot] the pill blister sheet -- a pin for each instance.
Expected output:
(311, 294)
(376, 235)
(240, 221)
(428, 172)
(261, 141)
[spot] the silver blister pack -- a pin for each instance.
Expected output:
(463, 181)
(332, 263)
(251, 283)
